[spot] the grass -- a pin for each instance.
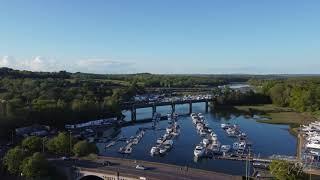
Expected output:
(280, 115)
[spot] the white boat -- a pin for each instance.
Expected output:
(203, 132)
(213, 136)
(162, 150)
(199, 151)
(235, 146)
(170, 142)
(242, 145)
(135, 141)
(223, 125)
(128, 150)
(160, 140)
(225, 148)
(154, 150)
(205, 142)
(110, 144)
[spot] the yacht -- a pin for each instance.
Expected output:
(235, 146)
(225, 148)
(205, 142)
(199, 151)
(154, 150)
(203, 132)
(160, 140)
(128, 150)
(168, 142)
(162, 150)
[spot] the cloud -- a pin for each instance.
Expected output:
(92, 65)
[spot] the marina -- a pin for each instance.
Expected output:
(267, 139)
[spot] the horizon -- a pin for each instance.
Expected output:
(211, 37)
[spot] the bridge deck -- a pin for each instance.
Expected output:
(156, 170)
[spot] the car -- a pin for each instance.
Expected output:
(107, 163)
(140, 167)
(65, 158)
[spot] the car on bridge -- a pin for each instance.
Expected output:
(140, 167)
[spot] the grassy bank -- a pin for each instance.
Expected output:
(279, 115)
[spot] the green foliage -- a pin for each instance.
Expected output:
(83, 148)
(60, 144)
(35, 167)
(283, 170)
(32, 144)
(228, 96)
(13, 159)
(302, 94)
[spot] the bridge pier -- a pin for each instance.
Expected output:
(133, 114)
(173, 106)
(190, 107)
(207, 106)
(154, 109)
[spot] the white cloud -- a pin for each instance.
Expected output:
(94, 65)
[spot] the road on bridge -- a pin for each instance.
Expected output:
(154, 171)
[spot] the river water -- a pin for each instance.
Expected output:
(267, 139)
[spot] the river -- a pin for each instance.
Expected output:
(267, 139)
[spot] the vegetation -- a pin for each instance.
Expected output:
(283, 170)
(83, 148)
(35, 167)
(32, 144)
(61, 144)
(301, 94)
(13, 159)
(26, 159)
(231, 97)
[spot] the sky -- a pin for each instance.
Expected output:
(161, 36)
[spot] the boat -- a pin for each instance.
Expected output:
(205, 142)
(160, 140)
(199, 151)
(110, 144)
(162, 150)
(203, 132)
(225, 148)
(154, 150)
(166, 142)
(128, 150)
(135, 141)
(235, 146)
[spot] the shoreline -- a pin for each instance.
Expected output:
(271, 114)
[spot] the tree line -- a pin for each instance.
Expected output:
(301, 94)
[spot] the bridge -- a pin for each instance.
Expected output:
(124, 169)
(133, 106)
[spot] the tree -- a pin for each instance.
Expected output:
(60, 144)
(283, 170)
(35, 167)
(83, 148)
(13, 159)
(32, 144)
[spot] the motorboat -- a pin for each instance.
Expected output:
(225, 148)
(203, 132)
(235, 146)
(205, 142)
(170, 142)
(128, 150)
(154, 150)
(199, 151)
(162, 150)
(160, 140)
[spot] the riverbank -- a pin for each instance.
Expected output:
(277, 115)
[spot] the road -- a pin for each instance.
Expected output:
(154, 171)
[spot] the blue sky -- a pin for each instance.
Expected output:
(163, 36)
